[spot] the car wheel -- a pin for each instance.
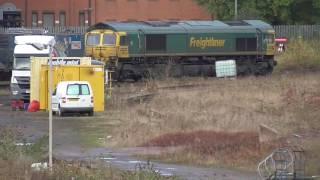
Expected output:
(90, 113)
(60, 113)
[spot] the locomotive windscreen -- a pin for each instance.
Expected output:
(156, 42)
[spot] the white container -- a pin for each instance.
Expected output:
(226, 68)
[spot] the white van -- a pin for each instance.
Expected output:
(73, 96)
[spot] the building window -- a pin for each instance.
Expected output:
(34, 19)
(48, 19)
(62, 18)
(82, 19)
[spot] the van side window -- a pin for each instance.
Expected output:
(73, 89)
(85, 89)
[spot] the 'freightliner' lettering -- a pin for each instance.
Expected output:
(207, 42)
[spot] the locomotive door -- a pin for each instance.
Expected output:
(259, 41)
(142, 39)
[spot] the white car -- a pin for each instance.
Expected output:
(73, 96)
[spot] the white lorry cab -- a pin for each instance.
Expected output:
(73, 96)
(26, 47)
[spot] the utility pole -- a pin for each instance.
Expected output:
(235, 9)
(51, 46)
(89, 12)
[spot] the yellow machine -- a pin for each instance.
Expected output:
(107, 45)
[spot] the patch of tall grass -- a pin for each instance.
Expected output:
(300, 55)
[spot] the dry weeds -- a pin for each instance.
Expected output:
(300, 55)
(288, 103)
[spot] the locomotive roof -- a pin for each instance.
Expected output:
(183, 26)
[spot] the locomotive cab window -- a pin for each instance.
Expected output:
(109, 39)
(269, 38)
(156, 42)
(124, 40)
(93, 39)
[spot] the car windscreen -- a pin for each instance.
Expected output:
(21, 63)
(78, 89)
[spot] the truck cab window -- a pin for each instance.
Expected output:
(21, 63)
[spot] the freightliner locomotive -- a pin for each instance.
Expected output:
(137, 49)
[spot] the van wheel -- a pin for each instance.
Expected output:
(60, 113)
(90, 113)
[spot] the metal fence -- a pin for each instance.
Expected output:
(290, 31)
(307, 32)
(47, 30)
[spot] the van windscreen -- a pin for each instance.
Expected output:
(85, 89)
(73, 89)
(78, 89)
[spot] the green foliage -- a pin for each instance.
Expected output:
(273, 11)
(38, 150)
(9, 150)
(220, 9)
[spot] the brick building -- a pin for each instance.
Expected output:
(38, 13)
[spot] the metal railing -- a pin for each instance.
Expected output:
(289, 31)
(307, 32)
(283, 163)
(46, 30)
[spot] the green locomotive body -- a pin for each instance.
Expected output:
(136, 44)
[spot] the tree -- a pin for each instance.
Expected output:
(306, 12)
(272, 11)
(275, 11)
(219, 9)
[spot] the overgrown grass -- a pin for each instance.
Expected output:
(16, 160)
(288, 103)
(209, 148)
(300, 55)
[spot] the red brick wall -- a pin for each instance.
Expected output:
(117, 10)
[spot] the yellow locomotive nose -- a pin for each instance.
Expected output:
(108, 51)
